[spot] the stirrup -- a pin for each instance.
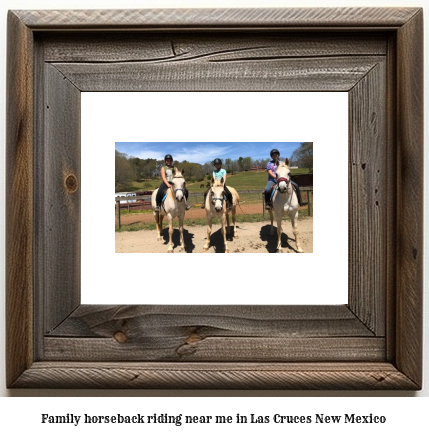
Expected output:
(156, 209)
(268, 206)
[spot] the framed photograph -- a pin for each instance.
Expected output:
(255, 116)
(373, 341)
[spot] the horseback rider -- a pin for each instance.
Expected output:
(218, 174)
(167, 173)
(272, 169)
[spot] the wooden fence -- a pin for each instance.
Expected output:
(130, 201)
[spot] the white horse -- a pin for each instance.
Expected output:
(285, 201)
(173, 206)
(216, 207)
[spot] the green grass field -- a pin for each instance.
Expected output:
(244, 181)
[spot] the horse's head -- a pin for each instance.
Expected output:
(178, 185)
(217, 194)
(283, 176)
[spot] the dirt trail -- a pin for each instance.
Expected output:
(192, 214)
(252, 238)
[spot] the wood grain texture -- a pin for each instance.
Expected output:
(177, 47)
(330, 74)
(410, 199)
(249, 376)
(230, 18)
(189, 347)
(61, 185)
(368, 173)
(99, 321)
(19, 211)
(213, 333)
(154, 347)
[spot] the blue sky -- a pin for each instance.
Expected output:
(201, 152)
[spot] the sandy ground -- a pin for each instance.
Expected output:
(195, 212)
(252, 238)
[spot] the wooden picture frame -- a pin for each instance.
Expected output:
(373, 342)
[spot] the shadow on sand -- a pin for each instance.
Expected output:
(216, 240)
(272, 240)
(187, 236)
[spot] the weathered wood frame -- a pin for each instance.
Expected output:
(374, 342)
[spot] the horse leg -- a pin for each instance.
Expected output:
(170, 233)
(279, 233)
(182, 240)
(160, 218)
(224, 232)
(227, 224)
(294, 219)
(158, 233)
(209, 231)
(272, 219)
(158, 222)
(233, 222)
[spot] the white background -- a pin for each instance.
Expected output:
(257, 278)
(23, 414)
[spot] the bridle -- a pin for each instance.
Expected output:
(222, 199)
(178, 189)
(283, 179)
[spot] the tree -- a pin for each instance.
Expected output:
(148, 168)
(303, 156)
(234, 167)
(228, 163)
(247, 163)
(208, 168)
(123, 172)
(136, 165)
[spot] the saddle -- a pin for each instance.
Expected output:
(272, 192)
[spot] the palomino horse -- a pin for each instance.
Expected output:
(284, 201)
(173, 206)
(216, 207)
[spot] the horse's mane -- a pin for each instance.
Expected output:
(217, 183)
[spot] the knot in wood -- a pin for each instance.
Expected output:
(71, 183)
(120, 337)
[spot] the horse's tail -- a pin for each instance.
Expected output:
(237, 199)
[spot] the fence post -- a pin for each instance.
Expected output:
(118, 209)
(263, 204)
(309, 203)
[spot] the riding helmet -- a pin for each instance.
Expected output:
(217, 161)
(168, 156)
(274, 150)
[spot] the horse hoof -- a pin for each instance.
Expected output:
(279, 250)
(235, 236)
(158, 239)
(205, 249)
(300, 250)
(169, 251)
(226, 251)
